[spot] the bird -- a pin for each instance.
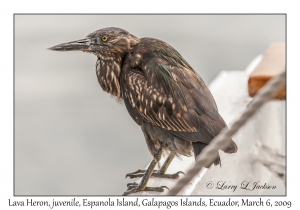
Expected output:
(162, 93)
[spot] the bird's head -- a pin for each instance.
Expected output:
(104, 43)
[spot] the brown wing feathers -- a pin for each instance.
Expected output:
(157, 107)
(168, 93)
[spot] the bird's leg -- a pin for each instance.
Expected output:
(142, 186)
(158, 173)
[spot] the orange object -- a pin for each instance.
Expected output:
(272, 64)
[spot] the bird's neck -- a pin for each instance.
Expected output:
(108, 70)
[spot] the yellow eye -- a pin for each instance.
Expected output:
(104, 38)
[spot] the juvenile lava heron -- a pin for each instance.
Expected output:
(163, 94)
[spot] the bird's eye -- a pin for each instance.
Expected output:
(104, 38)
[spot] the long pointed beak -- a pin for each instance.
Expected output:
(81, 44)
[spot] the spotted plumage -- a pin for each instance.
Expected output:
(179, 102)
(161, 91)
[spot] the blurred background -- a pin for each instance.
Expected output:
(71, 138)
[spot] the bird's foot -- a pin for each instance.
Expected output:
(135, 187)
(156, 173)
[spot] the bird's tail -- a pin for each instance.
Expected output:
(232, 148)
(198, 146)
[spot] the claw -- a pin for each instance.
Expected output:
(127, 175)
(164, 187)
(180, 172)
